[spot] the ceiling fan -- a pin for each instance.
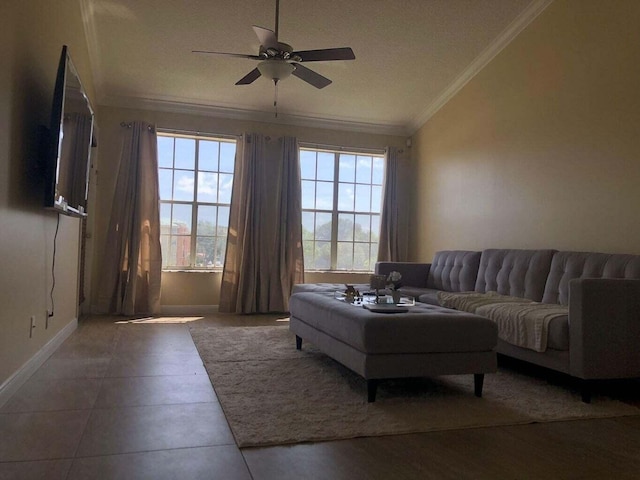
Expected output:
(278, 60)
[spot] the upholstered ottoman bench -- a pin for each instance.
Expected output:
(425, 341)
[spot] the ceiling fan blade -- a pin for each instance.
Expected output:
(311, 77)
(238, 55)
(344, 53)
(267, 37)
(250, 77)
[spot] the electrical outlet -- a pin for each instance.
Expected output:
(32, 325)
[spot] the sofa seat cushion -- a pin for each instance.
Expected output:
(424, 328)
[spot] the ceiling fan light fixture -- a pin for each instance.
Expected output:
(275, 69)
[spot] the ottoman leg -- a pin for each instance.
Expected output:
(298, 343)
(478, 380)
(372, 388)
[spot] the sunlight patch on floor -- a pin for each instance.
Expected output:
(161, 320)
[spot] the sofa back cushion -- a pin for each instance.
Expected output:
(454, 270)
(519, 273)
(569, 265)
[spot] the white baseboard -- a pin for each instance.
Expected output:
(188, 309)
(15, 381)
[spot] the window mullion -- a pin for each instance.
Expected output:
(194, 208)
(334, 214)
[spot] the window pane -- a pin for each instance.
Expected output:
(361, 256)
(208, 155)
(165, 182)
(165, 217)
(207, 186)
(362, 230)
(378, 171)
(183, 183)
(182, 219)
(219, 251)
(374, 255)
(205, 251)
(182, 250)
(326, 162)
(363, 169)
(165, 152)
(223, 220)
(165, 245)
(345, 256)
(206, 220)
(307, 164)
(376, 199)
(363, 198)
(308, 226)
(345, 227)
(347, 171)
(308, 194)
(225, 187)
(345, 196)
(323, 226)
(324, 195)
(322, 255)
(227, 156)
(185, 153)
(375, 228)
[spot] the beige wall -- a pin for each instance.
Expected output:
(31, 37)
(540, 149)
(198, 288)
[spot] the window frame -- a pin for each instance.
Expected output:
(194, 203)
(335, 210)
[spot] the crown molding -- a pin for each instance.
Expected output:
(234, 113)
(512, 31)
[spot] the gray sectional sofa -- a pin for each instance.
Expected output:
(586, 305)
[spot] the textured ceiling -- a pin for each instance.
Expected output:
(410, 55)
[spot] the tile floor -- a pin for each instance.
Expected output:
(132, 400)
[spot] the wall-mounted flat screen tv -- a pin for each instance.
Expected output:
(71, 133)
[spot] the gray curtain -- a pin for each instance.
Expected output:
(389, 246)
(132, 261)
(264, 244)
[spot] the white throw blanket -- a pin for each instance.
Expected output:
(524, 325)
(471, 301)
(521, 322)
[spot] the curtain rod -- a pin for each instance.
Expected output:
(130, 124)
(342, 148)
(195, 133)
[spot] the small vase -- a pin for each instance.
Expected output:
(396, 296)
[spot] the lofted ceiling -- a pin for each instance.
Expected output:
(411, 56)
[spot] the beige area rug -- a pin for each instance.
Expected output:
(274, 394)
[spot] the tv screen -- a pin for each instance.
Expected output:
(71, 134)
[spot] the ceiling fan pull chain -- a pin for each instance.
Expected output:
(275, 98)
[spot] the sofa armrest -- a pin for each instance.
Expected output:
(414, 274)
(604, 328)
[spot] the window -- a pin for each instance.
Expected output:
(196, 177)
(341, 202)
